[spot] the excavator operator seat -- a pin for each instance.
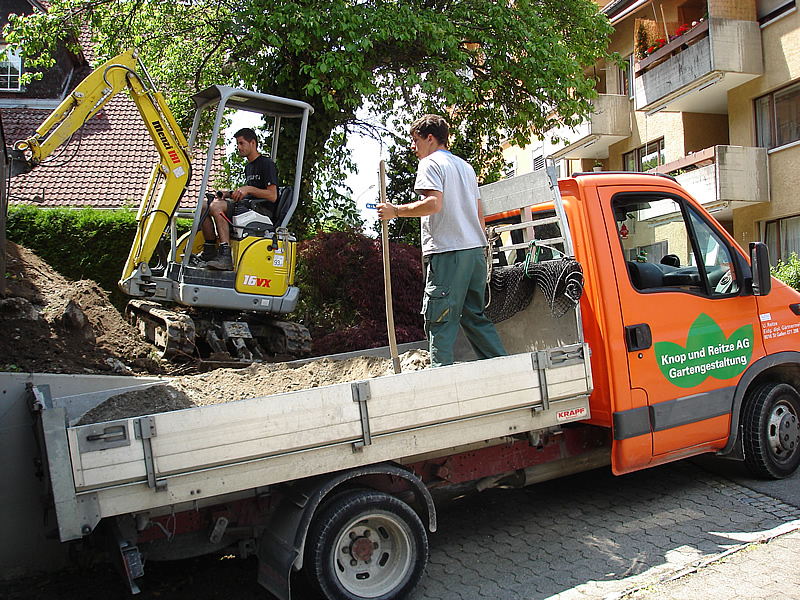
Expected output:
(250, 223)
(260, 220)
(283, 204)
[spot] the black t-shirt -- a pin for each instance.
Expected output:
(260, 173)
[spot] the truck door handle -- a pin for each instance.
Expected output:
(638, 337)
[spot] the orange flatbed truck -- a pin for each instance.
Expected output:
(680, 344)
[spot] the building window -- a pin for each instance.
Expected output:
(645, 158)
(538, 162)
(623, 78)
(769, 10)
(778, 117)
(692, 10)
(510, 169)
(782, 237)
(10, 69)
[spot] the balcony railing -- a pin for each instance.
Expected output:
(610, 123)
(694, 72)
(723, 176)
(673, 48)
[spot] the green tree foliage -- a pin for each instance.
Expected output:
(788, 272)
(505, 67)
(331, 209)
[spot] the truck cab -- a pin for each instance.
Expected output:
(693, 350)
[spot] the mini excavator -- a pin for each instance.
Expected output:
(187, 310)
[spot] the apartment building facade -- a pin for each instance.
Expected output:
(709, 92)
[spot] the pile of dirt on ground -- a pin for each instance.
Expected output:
(228, 385)
(49, 324)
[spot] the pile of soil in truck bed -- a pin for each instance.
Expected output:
(254, 381)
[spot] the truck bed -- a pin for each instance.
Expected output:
(167, 459)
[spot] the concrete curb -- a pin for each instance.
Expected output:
(697, 566)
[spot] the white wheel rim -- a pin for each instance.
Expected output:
(372, 556)
(783, 431)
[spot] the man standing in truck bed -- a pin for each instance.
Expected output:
(453, 243)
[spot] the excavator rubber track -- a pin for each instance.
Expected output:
(172, 332)
(297, 338)
(237, 340)
(249, 337)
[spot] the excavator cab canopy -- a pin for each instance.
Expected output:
(239, 99)
(220, 98)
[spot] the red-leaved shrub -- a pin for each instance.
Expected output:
(340, 276)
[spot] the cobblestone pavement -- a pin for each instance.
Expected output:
(763, 571)
(592, 536)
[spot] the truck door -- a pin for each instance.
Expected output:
(689, 330)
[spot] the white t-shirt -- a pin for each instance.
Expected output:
(457, 226)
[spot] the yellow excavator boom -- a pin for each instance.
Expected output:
(172, 173)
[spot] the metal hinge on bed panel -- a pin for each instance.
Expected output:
(553, 358)
(144, 429)
(361, 394)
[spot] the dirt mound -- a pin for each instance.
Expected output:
(53, 325)
(228, 385)
(49, 324)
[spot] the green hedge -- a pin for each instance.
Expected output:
(79, 243)
(788, 272)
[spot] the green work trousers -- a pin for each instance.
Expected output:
(455, 287)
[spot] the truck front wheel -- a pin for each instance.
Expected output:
(366, 544)
(771, 430)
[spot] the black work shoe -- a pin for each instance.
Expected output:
(209, 252)
(223, 261)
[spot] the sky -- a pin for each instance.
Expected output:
(367, 154)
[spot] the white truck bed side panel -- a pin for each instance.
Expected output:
(210, 435)
(225, 448)
(213, 435)
(218, 434)
(286, 467)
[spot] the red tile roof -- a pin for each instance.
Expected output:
(107, 165)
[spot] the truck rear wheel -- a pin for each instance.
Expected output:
(366, 544)
(771, 430)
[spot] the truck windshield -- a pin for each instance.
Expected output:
(667, 244)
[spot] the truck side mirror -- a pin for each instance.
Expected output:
(759, 263)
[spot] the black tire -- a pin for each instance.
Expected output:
(366, 544)
(771, 431)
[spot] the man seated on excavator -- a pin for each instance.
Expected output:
(261, 176)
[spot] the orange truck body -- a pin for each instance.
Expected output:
(662, 406)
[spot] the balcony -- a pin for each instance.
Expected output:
(723, 178)
(694, 72)
(610, 123)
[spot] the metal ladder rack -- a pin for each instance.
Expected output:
(522, 193)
